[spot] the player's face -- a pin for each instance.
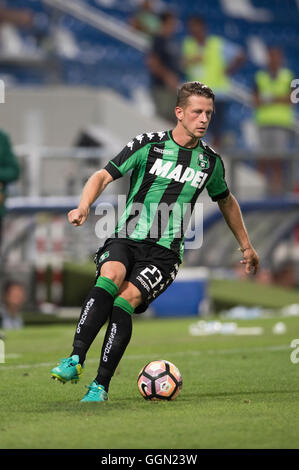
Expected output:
(196, 116)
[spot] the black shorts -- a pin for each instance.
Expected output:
(150, 267)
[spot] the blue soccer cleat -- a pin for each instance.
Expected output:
(67, 370)
(96, 393)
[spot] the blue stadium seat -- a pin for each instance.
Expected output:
(105, 61)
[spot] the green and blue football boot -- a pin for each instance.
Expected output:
(96, 393)
(67, 369)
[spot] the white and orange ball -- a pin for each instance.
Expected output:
(159, 380)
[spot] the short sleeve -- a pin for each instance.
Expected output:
(217, 186)
(129, 157)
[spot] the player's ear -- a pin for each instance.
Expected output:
(179, 112)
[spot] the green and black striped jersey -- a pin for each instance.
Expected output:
(166, 181)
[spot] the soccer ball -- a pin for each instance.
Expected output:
(159, 380)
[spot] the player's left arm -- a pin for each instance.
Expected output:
(233, 216)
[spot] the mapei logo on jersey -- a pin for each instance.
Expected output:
(166, 170)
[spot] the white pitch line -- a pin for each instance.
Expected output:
(157, 355)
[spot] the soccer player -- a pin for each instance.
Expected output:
(141, 259)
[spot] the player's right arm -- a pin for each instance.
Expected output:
(127, 159)
(91, 191)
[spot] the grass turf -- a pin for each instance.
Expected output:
(238, 392)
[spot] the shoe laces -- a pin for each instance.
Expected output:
(67, 361)
(94, 389)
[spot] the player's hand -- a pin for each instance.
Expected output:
(251, 260)
(78, 216)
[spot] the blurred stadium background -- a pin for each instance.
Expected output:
(77, 89)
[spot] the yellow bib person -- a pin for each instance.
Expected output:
(269, 88)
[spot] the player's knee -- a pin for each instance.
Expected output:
(132, 295)
(133, 299)
(115, 271)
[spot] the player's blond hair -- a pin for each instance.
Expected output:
(193, 88)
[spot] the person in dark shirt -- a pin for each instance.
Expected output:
(163, 62)
(22, 18)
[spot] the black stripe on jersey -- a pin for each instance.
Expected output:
(146, 183)
(170, 195)
(211, 153)
(175, 244)
(223, 167)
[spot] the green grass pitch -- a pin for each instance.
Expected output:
(238, 391)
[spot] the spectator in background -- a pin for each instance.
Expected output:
(211, 60)
(13, 300)
(9, 172)
(274, 116)
(11, 21)
(147, 19)
(164, 66)
(21, 18)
